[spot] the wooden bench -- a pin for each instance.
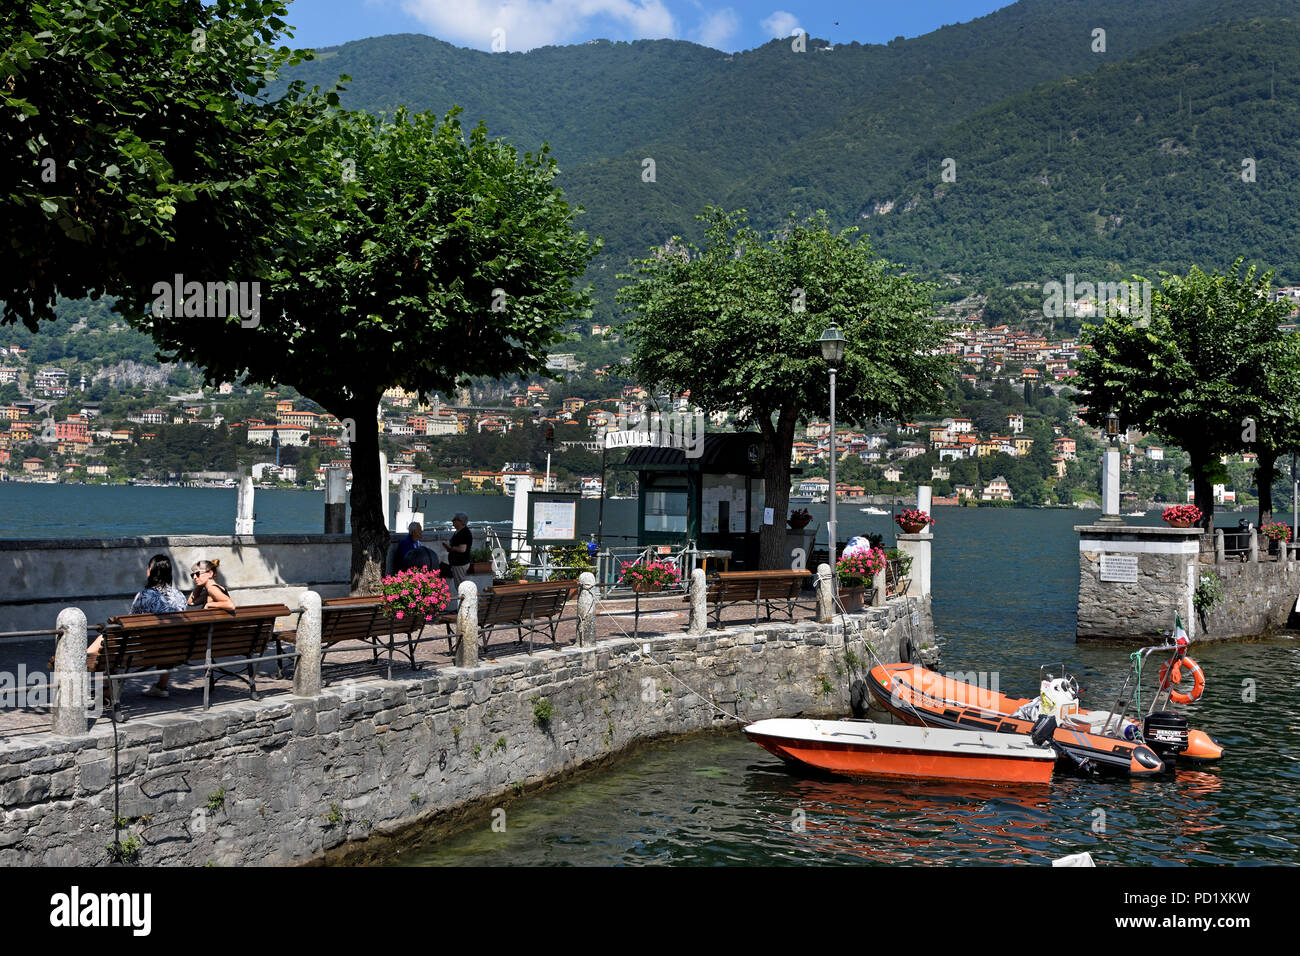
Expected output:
(148, 645)
(362, 619)
(767, 588)
(533, 608)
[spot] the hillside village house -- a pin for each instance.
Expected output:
(1016, 423)
(289, 434)
(814, 486)
(154, 416)
(1155, 453)
(997, 490)
(892, 473)
(1065, 447)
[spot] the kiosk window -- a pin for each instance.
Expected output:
(665, 511)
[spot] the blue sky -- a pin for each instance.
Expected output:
(723, 24)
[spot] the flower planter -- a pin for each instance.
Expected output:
(913, 527)
(1179, 524)
(480, 567)
(647, 587)
(799, 524)
(851, 598)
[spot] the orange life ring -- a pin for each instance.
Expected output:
(1176, 678)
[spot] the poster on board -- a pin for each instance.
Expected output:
(553, 518)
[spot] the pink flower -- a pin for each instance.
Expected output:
(400, 615)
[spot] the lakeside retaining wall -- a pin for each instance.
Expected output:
(290, 779)
(1164, 567)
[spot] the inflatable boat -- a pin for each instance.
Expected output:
(863, 748)
(1093, 741)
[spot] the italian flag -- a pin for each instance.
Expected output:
(1180, 633)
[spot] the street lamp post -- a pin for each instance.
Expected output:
(832, 343)
(1110, 474)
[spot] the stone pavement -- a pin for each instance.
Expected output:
(660, 614)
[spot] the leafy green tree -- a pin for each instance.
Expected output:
(135, 146)
(1208, 360)
(421, 257)
(737, 322)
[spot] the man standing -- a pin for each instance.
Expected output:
(458, 549)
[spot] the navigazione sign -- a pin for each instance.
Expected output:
(659, 430)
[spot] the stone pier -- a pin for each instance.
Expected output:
(1133, 579)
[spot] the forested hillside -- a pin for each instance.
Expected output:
(854, 128)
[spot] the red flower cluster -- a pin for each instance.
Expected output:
(417, 592)
(913, 516)
(1182, 513)
(649, 572)
(1277, 530)
(857, 568)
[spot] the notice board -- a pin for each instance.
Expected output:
(553, 517)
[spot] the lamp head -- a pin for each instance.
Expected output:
(832, 343)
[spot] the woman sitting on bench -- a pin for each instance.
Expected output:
(158, 597)
(208, 595)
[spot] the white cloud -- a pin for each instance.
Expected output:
(717, 29)
(780, 24)
(534, 23)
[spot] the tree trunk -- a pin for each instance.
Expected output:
(1203, 489)
(1265, 475)
(369, 533)
(778, 441)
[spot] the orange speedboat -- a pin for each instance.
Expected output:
(1094, 741)
(864, 748)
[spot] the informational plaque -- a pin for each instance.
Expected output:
(553, 517)
(1120, 568)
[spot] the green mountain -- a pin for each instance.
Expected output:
(1184, 155)
(855, 127)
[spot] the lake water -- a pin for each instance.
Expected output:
(1004, 591)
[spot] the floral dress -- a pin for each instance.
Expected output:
(163, 599)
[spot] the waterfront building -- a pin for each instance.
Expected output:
(289, 434)
(997, 490)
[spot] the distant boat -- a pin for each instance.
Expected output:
(873, 511)
(1135, 514)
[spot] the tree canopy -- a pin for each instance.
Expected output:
(736, 323)
(421, 256)
(136, 146)
(1207, 371)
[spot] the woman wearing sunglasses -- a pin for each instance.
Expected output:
(207, 593)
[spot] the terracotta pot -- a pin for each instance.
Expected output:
(799, 523)
(1179, 524)
(851, 598)
(647, 587)
(913, 527)
(480, 567)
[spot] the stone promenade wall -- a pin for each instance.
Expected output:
(101, 575)
(1257, 599)
(293, 779)
(1258, 596)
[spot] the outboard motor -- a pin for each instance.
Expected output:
(1166, 734)
(1043, 731)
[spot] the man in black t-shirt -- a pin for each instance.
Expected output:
(458, 549)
